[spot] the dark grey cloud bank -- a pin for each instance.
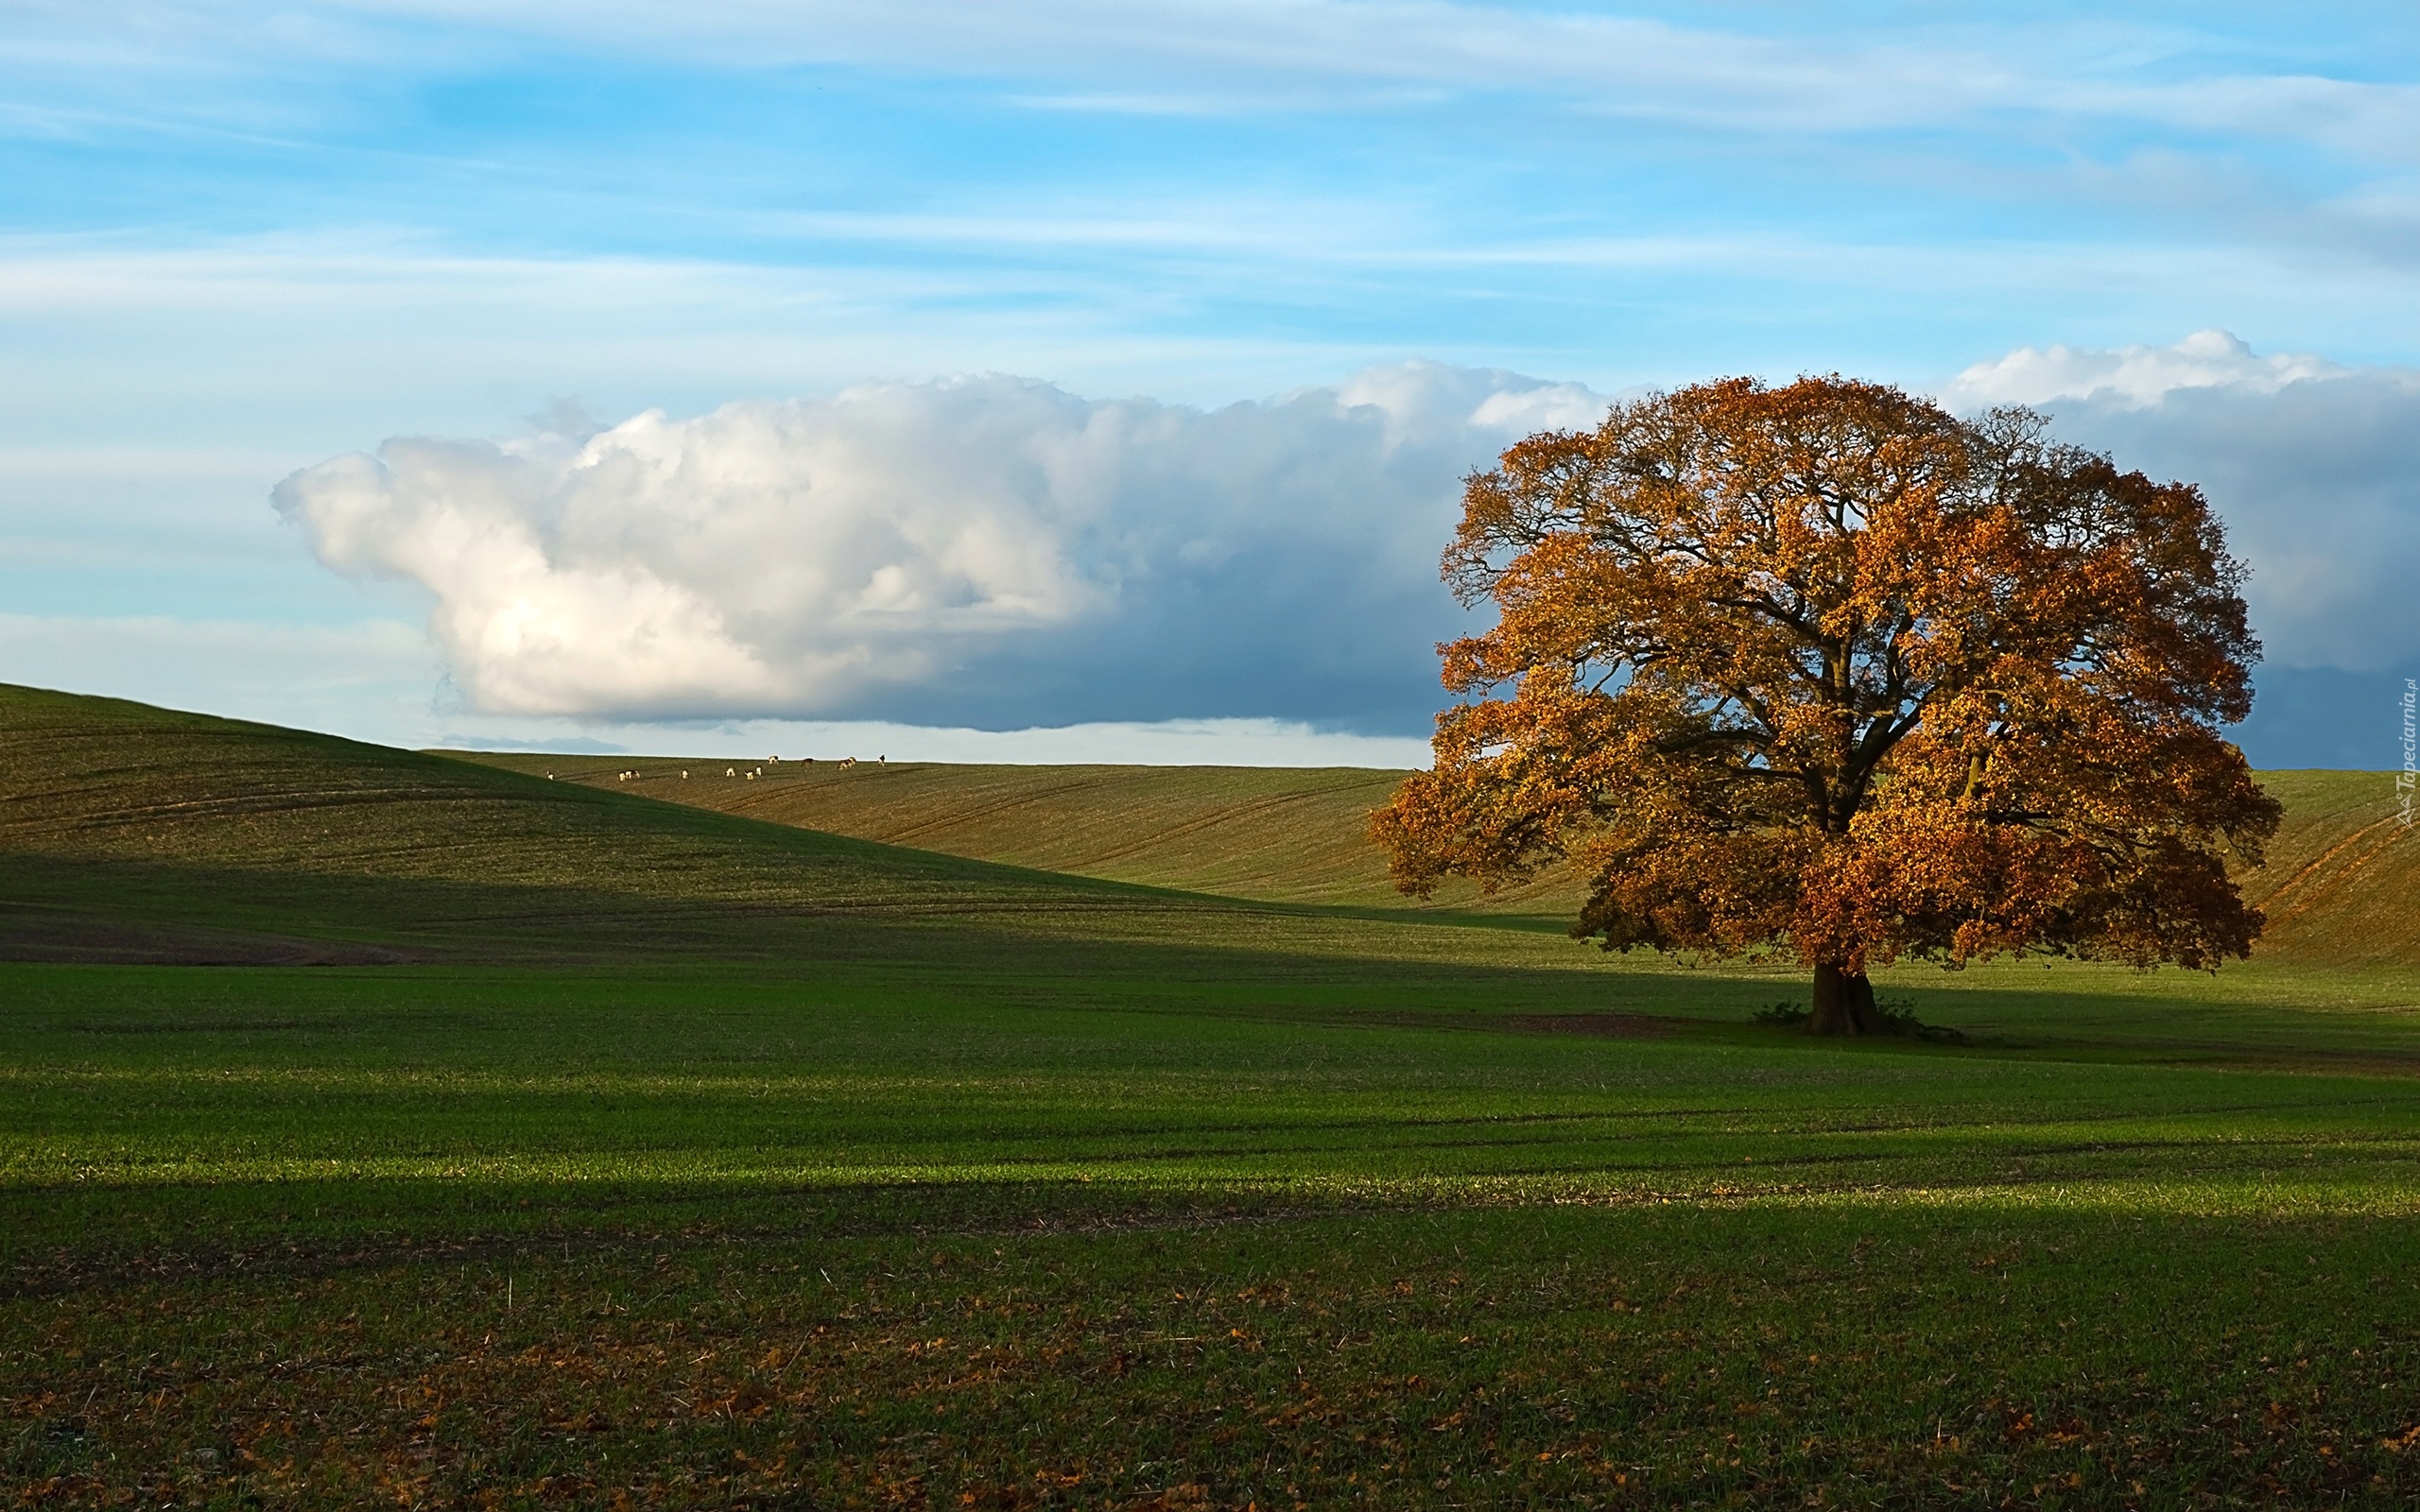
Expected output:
(2316, 470)
(998, 553)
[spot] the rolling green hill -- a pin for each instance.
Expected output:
(1275, 834)
(2342, 884)
(2342, 878)
(133, 833)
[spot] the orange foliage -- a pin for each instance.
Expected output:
(1825, 668)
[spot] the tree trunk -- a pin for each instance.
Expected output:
(1844, 1003)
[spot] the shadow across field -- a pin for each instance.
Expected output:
(1069, 940)
(31, 931)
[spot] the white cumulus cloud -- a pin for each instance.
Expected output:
(1000, 552)
(2139, 376)
(982, 549)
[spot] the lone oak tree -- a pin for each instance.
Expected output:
(1825, 668)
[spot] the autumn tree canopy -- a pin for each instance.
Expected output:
(1828, 670)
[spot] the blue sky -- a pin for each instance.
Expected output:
(243, 241)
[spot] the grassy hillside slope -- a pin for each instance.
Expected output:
(2342, 884)
(1290, 836)
(2342, 879)
(132, 831)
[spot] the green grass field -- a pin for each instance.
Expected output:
(533, 1142)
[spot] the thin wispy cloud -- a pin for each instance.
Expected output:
(274, 234)
(1831, 72)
